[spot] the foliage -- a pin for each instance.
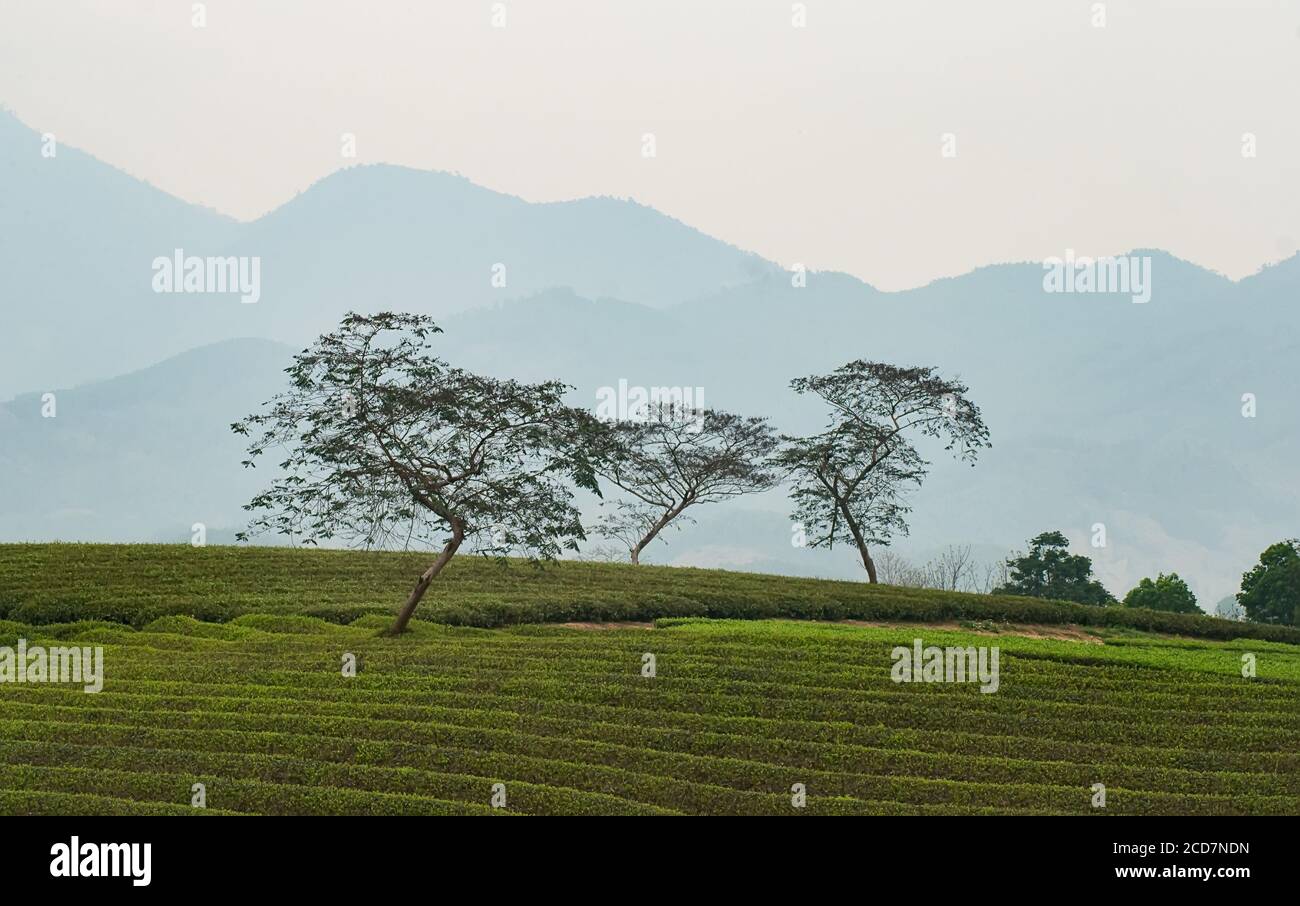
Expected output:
(1049, 570)
(385, 443)
(851, 482)
(1167, 592)
(675, 459)
(565, 719)
(1270, 592)
(134, 584)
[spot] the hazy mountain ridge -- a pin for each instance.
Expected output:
(80, 238)
(1100, 410)
(141, 456)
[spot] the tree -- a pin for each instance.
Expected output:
(894, 569)
(385, 443)
(1049, 570)
(676, 459)
(1270, 592)
(952, 570)
(993, 575)
(1168, 593)
(852, 481)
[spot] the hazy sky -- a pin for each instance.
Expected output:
(820, 145)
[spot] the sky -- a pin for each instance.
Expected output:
(1075, 125)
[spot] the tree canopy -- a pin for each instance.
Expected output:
(851, 482)
(676, 459)
(386, 444)
(1270, 592)
(1049, 570)
(1167, 592)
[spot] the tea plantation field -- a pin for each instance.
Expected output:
(224, 667)
(136, 583)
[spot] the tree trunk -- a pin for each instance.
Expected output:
(667, 517)
(404, 616)
(868, 563)
(861, 543)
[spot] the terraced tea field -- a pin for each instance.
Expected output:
(137, 583)
(258, 708)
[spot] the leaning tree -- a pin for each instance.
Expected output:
(677, 458)
(385, 444)
(851, 482)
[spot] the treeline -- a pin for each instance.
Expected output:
(1270, 591)
(382, 443)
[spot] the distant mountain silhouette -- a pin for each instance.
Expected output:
(139, 457)
(1101, 410)
(80, 237)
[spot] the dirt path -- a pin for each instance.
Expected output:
(1064, 632)
(598, 626)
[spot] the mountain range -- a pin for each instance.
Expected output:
(1101, 410)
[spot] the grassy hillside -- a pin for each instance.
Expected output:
(258, 710)
(257, 707)
(134, 584)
